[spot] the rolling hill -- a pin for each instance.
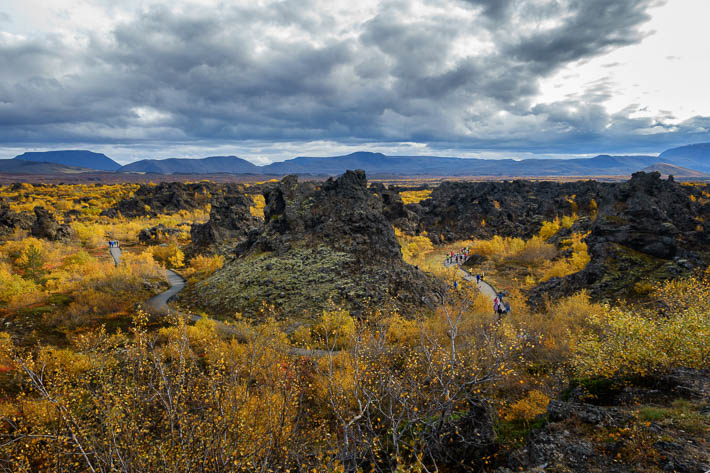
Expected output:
(76, 158)
(211, 165)
(676, 171)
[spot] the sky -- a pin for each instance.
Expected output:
(269, 80)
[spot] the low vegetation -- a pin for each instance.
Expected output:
(90, 382)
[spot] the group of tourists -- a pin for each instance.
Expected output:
(113, 243)
(458, 257)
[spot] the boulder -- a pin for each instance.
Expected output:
(11, 220)
(46, 226)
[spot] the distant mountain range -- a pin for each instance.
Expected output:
(686, 161)
(76, 158)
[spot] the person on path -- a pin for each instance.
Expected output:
(495, 305)
(478, 278)
(456, 285)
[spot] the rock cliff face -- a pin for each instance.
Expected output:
(230, 218)
(319, 245)
(394, 209)
(647, 229)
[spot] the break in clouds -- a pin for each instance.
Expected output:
(451, 74)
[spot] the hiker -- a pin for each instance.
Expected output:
(500, 295)
(456, 285)
(478, 278)
(495, 305)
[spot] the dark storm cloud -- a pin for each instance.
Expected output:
(291, 72)
(591, 28)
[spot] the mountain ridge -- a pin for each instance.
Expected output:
(211, 164)
(75, 158)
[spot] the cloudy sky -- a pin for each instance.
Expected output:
(268, 80)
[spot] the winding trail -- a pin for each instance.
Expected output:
(158, 305)
(483, 286)
(115, 254)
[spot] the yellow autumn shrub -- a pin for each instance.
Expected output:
(257, 210)
(530, 406)
(414, 197)
(622, 342)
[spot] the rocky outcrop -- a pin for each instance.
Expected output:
(463, 210)
(320, 246)
(46, 226)
(647, 228)
(580, 437)
(163, 198)
(230, 218)
(464, 439)
(394, 209)
(153, 235)
(11, 220)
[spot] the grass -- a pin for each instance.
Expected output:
(512, 434)
(682, 414)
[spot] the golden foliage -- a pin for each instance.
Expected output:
(621, 341)
(535, 250)
(202, 266)
(257, 210)
(414, 247)
(533, 404)
(168, 255)
(414, 197)
(549, 229)
(574, 263)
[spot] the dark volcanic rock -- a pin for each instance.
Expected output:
(230, 218)
(464, 440)
(10, 220)
(647, 228)
(320, 245)
(164, 198)
(571, 442)
(458, 210)
(46, 226)
(394, 209)
(151, 236)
